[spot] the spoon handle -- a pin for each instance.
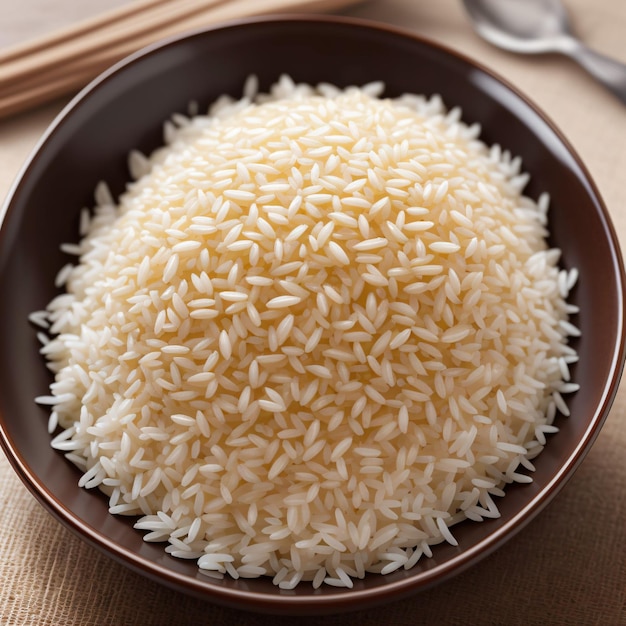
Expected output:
(611, 73)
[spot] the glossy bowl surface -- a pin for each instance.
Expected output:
(125, 107)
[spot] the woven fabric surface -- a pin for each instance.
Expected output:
(568, 566)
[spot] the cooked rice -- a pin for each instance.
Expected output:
(319, 330)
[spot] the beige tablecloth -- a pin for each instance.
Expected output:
(567, 567)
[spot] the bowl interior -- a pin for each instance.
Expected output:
(125, 109)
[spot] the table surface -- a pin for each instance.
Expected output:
(568, 566)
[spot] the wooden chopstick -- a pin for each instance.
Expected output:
(67, 60)
(73, 31)
(153, 18)
(39, 93)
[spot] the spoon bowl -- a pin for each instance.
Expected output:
(538, 27)
(529, 27)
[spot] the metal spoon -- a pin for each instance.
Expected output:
(538, 26)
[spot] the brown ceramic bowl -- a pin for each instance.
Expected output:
(124, 109)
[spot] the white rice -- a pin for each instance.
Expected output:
(319, 330)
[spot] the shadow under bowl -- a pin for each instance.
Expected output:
(124, 108)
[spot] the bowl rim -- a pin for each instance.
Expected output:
(330, 600)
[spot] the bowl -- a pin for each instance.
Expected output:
(124, 108)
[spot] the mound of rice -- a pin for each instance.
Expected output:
(319, 329)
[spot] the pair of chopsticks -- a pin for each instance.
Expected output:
(62, 62)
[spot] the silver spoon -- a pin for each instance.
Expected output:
(538, 26)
